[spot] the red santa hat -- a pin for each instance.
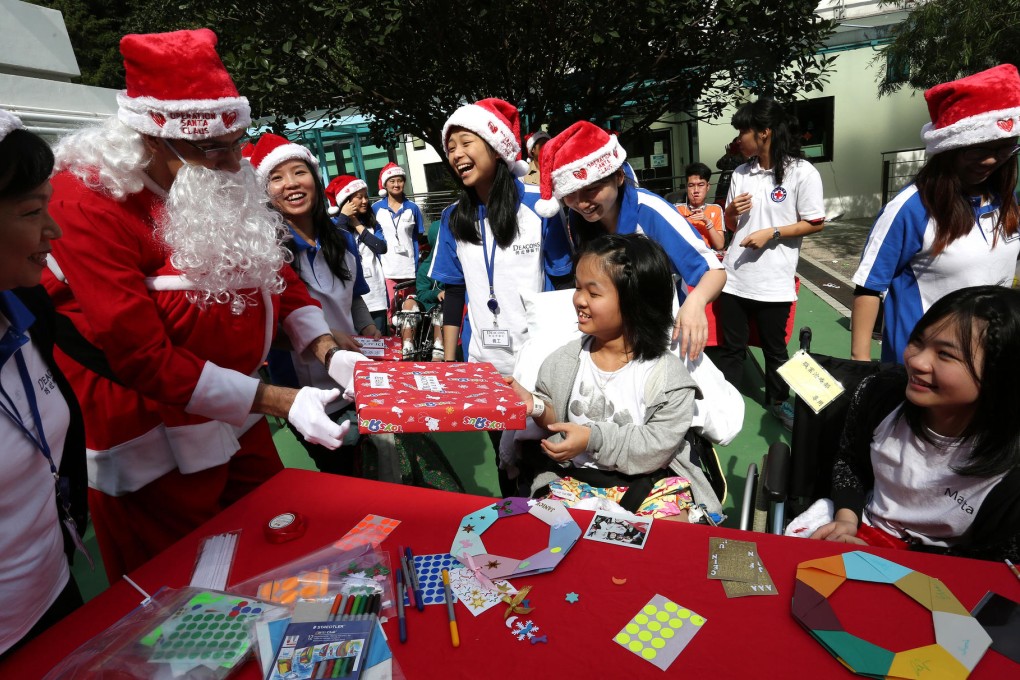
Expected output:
(980, 108)
(534, 138)
(390, 171)
(177, 87)
(8, 124)
(580, 155)
(498, 123)
(271, 150)
(340, 189)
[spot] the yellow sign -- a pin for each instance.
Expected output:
(812, 383)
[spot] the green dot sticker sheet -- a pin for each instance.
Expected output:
(660, 631)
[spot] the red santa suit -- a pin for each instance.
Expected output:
(175, 441)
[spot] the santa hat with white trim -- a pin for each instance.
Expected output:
(533, 138)
(271, 150)
(340, 189)
(581, 155)
(177, 87)
(498, 123)
(389, 171)
(980, 108)
(8, 124)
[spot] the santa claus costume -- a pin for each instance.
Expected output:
(165, 345)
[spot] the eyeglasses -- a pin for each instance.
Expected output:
(214, 152)
(980, 153)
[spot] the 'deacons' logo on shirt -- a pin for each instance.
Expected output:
(778, 194)
(526, 248)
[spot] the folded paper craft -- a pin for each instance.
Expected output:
(434, 397)
(960, 641)
(563, 534)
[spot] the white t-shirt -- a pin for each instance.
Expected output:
(766, 274)
(376, 298)
(398, 262)
(917, 495)
(607, 396)
(33, 566)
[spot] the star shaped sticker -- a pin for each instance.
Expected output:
(572, 598)
(468, 528)
(494, 564)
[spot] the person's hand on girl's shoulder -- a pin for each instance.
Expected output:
(840, 531)
(575, 441)
(691, 328)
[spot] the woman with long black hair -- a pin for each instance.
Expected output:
(773, 202)
(956, 224)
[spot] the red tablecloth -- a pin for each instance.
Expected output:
(747, 636)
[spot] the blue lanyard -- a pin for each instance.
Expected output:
(396, 219)
(490, 265)
(12, 412)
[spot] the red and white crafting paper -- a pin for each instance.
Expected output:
(434, 397)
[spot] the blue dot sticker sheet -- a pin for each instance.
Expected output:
(430, 576)
(660, 631)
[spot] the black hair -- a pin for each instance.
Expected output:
(501, 210)
(26, 161)
(943, 196)
(334, 247)
(641, 273)
(699, 169)
(584, 231)
(766, 114)
(985, 317)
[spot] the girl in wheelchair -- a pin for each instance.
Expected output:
(930, 454)
(617, 404)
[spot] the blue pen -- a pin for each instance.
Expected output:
(400, 605)
(413, 580)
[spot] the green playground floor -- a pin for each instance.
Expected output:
(472, 456)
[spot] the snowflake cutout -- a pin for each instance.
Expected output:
(524, 631)
(572, 598)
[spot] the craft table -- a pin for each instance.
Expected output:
(742, 637)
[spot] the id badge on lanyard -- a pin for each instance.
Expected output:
(494, 338)
(62, 487)
(401, 245)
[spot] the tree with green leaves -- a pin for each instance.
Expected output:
(406, 64)
(943, 40)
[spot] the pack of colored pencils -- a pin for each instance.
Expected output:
(332, 648)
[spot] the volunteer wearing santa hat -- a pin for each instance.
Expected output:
(173, 279)
(348, 203)
(956, 225)
(327, 260)
(492, 244)
(584, 166)
(402, 223)
(40, 422)
(533, 143)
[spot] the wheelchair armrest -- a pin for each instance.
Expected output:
(776, 475)
(747, 505)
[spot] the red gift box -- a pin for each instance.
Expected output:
(434, 397)
(382, 349)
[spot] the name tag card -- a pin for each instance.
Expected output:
(812, 383)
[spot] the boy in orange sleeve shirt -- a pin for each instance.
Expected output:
(707, 218)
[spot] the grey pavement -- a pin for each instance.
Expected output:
(829, 259)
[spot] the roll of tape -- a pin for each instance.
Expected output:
(285, 527)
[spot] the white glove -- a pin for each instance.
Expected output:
(308, 415)
(341, 370)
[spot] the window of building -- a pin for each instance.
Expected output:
(816, 122)
(897, 69)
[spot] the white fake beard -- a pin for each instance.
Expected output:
(223, 237)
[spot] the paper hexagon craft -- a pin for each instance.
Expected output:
(563, 534)
(960, 641)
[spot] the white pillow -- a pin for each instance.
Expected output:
(551, 312)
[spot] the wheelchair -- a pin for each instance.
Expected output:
(419, 322)
(792, 477)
